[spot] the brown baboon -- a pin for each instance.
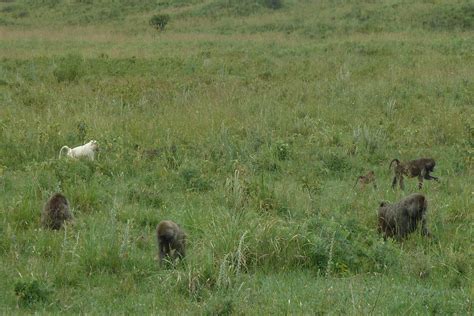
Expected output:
(170, 238)
(399, 219)
(367, 179)
(420, 168)
(55, 212)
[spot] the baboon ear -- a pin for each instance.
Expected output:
(383, 203)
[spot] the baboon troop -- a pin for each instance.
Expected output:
(171, 240)
(366, 179)
(420, 168)
(55, 212)
(395, 220)
(400, 219)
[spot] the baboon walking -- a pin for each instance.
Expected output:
(55, 212)
(366, 179)
(171, 238)
(401, 218)
(420, 168)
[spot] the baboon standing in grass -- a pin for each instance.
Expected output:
(55, 212)
(367, 179)
(420, 168)
(171, 240)
(400, 219)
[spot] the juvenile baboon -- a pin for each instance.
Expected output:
(420, 168)
(367, 179)
(171, 238)
(55, 212)
(399, 219)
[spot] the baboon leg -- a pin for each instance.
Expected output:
(426, 175)
(402, 186)
(424, 228)
(180, 253)
(420, 182)
(164, 250)
(394, 182)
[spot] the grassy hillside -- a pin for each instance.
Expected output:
(261, 115)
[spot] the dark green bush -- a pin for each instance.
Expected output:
(159, 21)
(282, 151)
(69, 68)
(450, 17)
(32, 292)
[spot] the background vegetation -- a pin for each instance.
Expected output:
(260, 115)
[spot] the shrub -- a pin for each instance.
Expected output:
(31, 292)
(159, 21)
(69, 68)
(282, 151)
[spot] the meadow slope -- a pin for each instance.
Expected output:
(247, 122)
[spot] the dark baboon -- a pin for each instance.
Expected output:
(367, 179)
(170, 238)
(55, 212)
(420, 168)
(399, 219)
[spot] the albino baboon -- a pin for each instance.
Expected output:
(56, 212)
(87, 150)
(420, 168)
(399, 219)
(367, 179)
(170, 237)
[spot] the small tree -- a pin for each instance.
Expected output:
(159, 21)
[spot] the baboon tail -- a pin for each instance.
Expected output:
(394, 160)
(61, 150)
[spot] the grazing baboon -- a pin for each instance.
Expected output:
(399, 219)
(55, 212)
(87, 150)
(170, 238)
(367, 179)
(420, 168)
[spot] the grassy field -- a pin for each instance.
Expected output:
(260, 114)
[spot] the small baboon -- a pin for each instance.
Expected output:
(367, 179)
(87, 150)
(170, 238)
(399, 219)
(420, 168)
(55, 212)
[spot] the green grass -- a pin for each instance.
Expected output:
(261, 119)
